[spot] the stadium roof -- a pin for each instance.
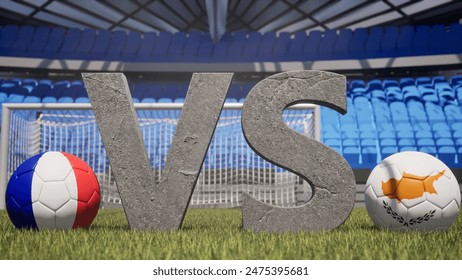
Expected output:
(218, 16)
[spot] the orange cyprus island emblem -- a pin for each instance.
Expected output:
(410, 186)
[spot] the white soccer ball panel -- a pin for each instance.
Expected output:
(370, 198)
(393, 214)
(445, 190)
(36, 187)
(44, 216)
(53, 166)
(424, 216)
(457, 194)
(71, 185)
(54, 195)
(380, 174)
(65, 216)
(450, 214)
(417, 163)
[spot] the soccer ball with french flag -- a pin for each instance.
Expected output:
(53, 190)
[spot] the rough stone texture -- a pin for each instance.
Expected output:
(146, 205)
(328, 173)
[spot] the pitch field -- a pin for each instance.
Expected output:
(217, 234)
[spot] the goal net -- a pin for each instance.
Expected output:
(230, 166)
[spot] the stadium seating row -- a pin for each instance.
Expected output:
(384, 116)
(91, 44)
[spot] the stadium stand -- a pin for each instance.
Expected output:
(384, 116)
(91, 44)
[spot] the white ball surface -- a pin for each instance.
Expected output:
(412, 190)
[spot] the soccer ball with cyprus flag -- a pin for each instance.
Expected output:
(412, 190)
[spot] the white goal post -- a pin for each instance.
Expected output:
(230, 166)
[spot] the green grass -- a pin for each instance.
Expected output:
(217, 234)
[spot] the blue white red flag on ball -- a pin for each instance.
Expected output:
(53, 190)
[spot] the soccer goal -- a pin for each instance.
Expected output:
(230, 166)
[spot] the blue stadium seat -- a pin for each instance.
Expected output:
(416, 112)
(387, 134)
(388, 151)
(435, 113)
(406, 142)
(455, 38)
(358, 43)
(374, 85)
(310, 50)
(368, 142)
(205, 50)
(421, 43)
(408, 148)
(102, 41)
(404, 44)
(421, 126)
(429, 150)
(175, 51)
(406, 81)
(398, 112)
(425, 87)
(350, 142)
(236, 46)
(332, 142)
(70, 43)
(251, 46)
(41, 90)
(441, 142)
(453, 114)
(441, 126)
(296, 45)
(456, 126)
(162, 46)
(439, 40)
(448, 155)
(23, 39)
(374, 41)
(441, 134)
(423, 134)
(363, 112)
(381, 111)
(458, 142)
(422, 142)
(86, 44)
(192, 45)
(220, 51)
(327, 44)
(378, 96)
(369, 157)
(9, 35)
(132, 44)
(342, 44)
(389, 41)
(17, 95)
(393, 93)
(118, 40)
(411, 92)
(38, 42)
(388, 142)
(281, 46)
(352, 155)
(147, 44)
(265, 49)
